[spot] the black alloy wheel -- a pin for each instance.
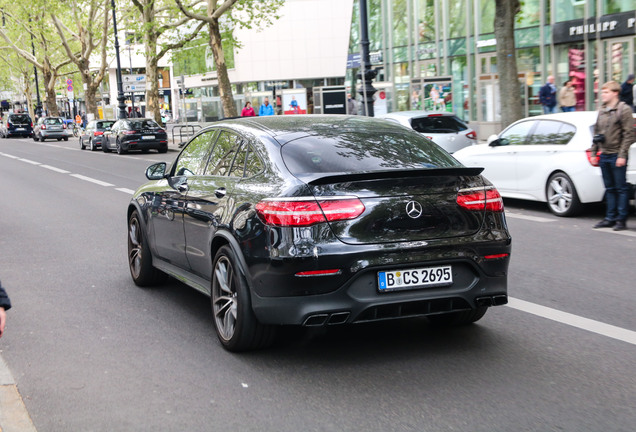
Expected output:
(120, 150)
(139, 256)
(82, 145)
(91, 145)
(236, 326)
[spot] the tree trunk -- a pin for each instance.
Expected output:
(511, 105)
(225, 88)
(49, 86)
(152, 92)
(28, 95)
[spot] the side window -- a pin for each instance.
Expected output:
(253, 164)
(517, 134)
(238, 167)
(223, 154)
(192, 157)
(549, 132)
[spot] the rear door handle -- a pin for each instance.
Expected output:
(220, 192)
(182, 187)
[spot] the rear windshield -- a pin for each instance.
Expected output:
(53, 121)
(441, 124)
(350, 152)
(19, 118)
(142, 124)
(105, 124)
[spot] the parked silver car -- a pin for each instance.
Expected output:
(443, 128)
(50, 128)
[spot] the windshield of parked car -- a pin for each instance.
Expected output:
(438, 124)
(53, 121)
(19, 118)
(142, 124)
(363, 151)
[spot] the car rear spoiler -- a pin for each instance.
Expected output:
(321, 179)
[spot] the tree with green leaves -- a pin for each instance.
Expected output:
(220, 16)
(26, 24)
(83, 28)
(164, 29)
(511, 107)
(17, 75)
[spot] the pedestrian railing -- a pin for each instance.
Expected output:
(181, 134)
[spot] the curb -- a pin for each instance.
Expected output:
(14, 416)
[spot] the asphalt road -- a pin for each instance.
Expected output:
(89, 351)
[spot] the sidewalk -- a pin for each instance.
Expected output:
(14, 416)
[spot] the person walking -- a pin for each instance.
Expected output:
(567, 98)
(5, 305)
(266, 109)
(627, 91)
(613, 135)
(352, 106)
(548, 96)
(248, 111)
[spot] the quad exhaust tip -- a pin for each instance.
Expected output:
(320, 320)
(496, 300)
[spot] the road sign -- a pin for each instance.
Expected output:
(69, 82)
(134, 79)
(69, 88)
(134, 87)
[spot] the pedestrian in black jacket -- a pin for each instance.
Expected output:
(5, 305)
(627, 94)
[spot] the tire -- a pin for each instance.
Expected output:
(236, 326)
(561, 195)
(139, 256)
(105, 148)
(163, 150)
(458, 318)
(82, 145)
(91, 145)
(59, 139)
(35, 138)
(65, 138)
(120, 150)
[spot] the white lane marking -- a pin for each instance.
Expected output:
(10, 156)
(29, 161)
(52, 168)
(627, 232)
(597, 327)
(92, 180)
(527, 217)
(124, 190)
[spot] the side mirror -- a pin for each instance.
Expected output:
(156, 171)
(493, 140)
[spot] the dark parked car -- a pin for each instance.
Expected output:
(50, 128)
(17, 124)
(94, 133)
(319, 221)
(135, 134)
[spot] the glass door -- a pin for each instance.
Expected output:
(489, 106)
(620, 59)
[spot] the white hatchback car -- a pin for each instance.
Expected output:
(545, 158)
(443, 128)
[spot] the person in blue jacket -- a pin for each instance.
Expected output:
(548, 96)
(266, 109)
(5, 305)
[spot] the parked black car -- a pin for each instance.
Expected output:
(135, 134)
(17, 124)
(318, 221)
(93, 135)
(50, 128)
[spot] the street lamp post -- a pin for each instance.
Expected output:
(366, 74)
(132, 94)
(120, 92)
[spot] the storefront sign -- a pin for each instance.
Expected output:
(353, 60)
(609, 26)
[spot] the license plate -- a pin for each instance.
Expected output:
(148, 137)
(414, 278)
(20, 129)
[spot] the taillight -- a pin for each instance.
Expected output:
(588, 153)
(31, 124)
(308, 211)
(129, 132)
(471, 135)
(98, 133)
(43, 126)
(63, 125)
(477, 199)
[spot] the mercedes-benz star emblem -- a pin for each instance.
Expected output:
(413, 209)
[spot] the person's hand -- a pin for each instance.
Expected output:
(621, 162)
(3, 320)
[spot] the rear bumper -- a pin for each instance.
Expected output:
(53, 134)
(145, 145)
